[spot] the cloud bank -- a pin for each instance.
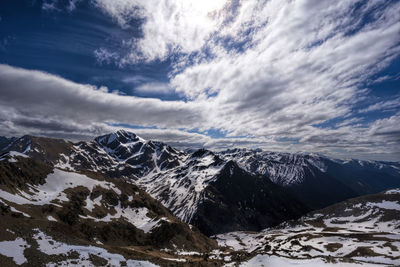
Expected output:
(35, 102)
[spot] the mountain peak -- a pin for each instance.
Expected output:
(123, 132)
(201, 152)
(120, 136)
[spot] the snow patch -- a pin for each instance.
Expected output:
(64, 163)
(393, 191)
(91, 203)
(389, 205)
(138, 217)
(53, 189)
(51, 247)
(14, 249)
(266, 260)
(51, 218)
(13, 156)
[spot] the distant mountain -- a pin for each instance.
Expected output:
(5, 142)
(363, 230)
(316, 180)
(365, 177)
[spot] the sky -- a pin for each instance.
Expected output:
(316, 76)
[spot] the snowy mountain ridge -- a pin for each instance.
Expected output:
(282, 168)
(290, 168)
(182, 181)
(113, 190)
(185, 183)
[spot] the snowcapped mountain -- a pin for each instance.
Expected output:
(181, 189)
(189, 183)
(236, 199)
(282, 168)
(113, 200)
(288, 169)
(128, 149)
(363, 230)
(218, 196)
(186, 183)
(316, 180)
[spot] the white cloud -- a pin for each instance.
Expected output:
(44, 95)
(154, 88)
(289, 65)
(169, 26)
(103, 56)
(49, 6)
(57, 5)
(388, 105)
(39, 103)
(123, 11)
(302, 62)
(302, 68)
(388, 127)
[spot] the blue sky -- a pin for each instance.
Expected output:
(64, 42)
(306, 75)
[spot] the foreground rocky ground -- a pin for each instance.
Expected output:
(364, 230)
(57, 217)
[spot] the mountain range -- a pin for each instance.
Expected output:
(132, 196)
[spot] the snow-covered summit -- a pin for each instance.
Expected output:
(282, 168)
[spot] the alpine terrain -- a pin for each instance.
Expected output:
(122, 200)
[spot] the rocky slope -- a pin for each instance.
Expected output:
(363, 230)
(239, 200)
(51, 216)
